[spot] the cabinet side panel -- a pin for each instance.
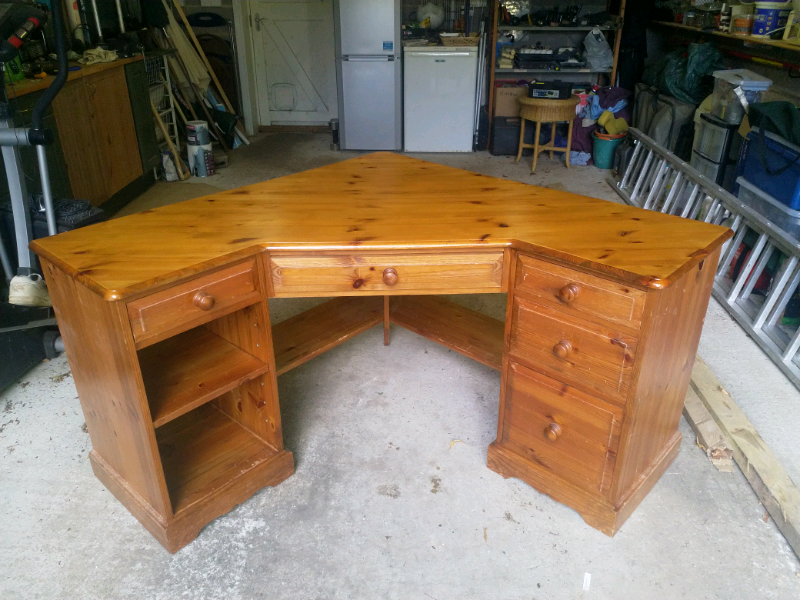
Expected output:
(102, 356)
(673, 323)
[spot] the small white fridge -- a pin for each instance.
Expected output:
(439, 98)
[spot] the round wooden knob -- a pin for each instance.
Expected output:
(552, 431)
(204, 301)
(562, 349)
(390, 276)
(569, 292)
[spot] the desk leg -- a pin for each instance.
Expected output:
(386, 320)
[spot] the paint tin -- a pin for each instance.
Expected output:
(197, 133)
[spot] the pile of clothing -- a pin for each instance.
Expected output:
(607, 109)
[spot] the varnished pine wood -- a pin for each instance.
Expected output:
(674, 322)
(171, 311)
(377, 203)
(575, 293)
(104, 365)
(595, 358)
(29, 86)
(191, 368)
(204, 450)
(370, 274)
(459, 328)
(309, 334)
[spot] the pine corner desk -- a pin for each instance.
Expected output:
(165, 321)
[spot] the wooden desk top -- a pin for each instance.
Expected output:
(384, 202)
(28, 86)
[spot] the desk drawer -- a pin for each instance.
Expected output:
(579, 294)
(380, 274)
(198, 301)
(592, 357)
(560, 428)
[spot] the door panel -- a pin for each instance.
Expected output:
(370, 102)
(368, 28)
(295, 68)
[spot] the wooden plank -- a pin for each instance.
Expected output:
(709, 436)
(466, 331)
(773, 486)
(191, 368)
(204, 450)
(309, 334)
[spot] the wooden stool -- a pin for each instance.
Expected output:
(544, 110)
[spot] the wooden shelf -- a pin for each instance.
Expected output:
(311, 333)
(203, 451)
(552, 29)
(191, 368)
(553, 71)
(745, 39)
(471, 333)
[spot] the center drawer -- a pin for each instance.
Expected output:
(383, 274)
(593, 357)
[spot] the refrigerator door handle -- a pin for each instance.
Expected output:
(383, 58)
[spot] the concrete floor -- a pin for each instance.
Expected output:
(391, 497)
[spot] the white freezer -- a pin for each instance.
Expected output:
(439, 98)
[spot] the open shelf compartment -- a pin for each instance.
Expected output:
(205, 450)
(191, 368)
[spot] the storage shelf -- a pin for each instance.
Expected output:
(191, 368)
(205, 450)
(561, 72)
(311, 333)
(552, 29)
(745, 39)
(471, 333)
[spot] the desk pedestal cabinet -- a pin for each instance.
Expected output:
(177, 377)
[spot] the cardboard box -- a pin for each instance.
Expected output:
(505, 100)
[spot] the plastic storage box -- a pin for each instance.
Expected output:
(785, 188)
(725, 104)
(777, 213)
(719, 173)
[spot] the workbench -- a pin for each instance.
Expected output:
(165, 321)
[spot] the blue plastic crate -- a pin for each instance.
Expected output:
(784, 187)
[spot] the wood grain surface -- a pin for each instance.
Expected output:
(377, 203)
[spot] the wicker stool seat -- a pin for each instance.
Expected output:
(544, 110)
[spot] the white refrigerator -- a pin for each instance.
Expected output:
(439, 98)
(369, 74)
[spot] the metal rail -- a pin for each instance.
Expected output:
(655, 179)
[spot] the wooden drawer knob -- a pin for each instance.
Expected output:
(390, 276)
(204, 301)
(569, 292)
(562, 349)
(552, 431)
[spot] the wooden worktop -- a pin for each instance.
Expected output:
(386, 202)
(28, 86)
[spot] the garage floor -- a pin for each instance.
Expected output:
(391, 497)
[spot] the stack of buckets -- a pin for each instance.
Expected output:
(770, 16)
(198, 144)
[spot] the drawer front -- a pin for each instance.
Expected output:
(570, 433)
(380, 274)
(590, 356)
(198, 301)
(579, 294)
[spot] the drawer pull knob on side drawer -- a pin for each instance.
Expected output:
(552, 431)
(569, 292)
(204, 301)
(390, 276)
(562, 349)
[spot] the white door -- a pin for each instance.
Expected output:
(294, 53)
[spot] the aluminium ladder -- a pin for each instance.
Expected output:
(655, 179)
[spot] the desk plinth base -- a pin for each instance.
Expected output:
(597, 511)
(177, 531)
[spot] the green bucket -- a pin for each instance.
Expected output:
(603, 146)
